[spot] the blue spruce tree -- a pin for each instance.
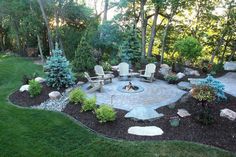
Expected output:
(58, 71)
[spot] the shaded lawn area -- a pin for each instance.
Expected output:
(27, 132)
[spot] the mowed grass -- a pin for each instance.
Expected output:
(36, 133)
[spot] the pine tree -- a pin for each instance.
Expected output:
(130, 49)
(84, 59)
(58, 71)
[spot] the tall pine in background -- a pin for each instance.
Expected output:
(58, 71)
(84, 59)
(130, 50)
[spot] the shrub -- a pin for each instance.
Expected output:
(58, 71)
(151, 59)
(35, 88)
(203, 93)
(216, 85)
(27, 78)
(105, 113)
(189, 48)
(172, 79)
(106, 66)
(77, 96)
(89, 104)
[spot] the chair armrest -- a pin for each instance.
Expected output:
(140, 71)
(108, 72)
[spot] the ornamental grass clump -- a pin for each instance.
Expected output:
(35, 88)
(89, 104)
(171, 79)
(205, 95)
(105, 113)
(77, 96)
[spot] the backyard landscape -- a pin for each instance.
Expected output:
(118, 78)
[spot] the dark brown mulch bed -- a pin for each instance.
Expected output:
(220, 134)
(24, 99)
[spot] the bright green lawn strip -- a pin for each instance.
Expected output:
(26, 132)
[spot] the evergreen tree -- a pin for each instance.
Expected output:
(84, 59)
(130, 49)
(58, 71)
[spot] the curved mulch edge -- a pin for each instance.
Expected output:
(188, 126)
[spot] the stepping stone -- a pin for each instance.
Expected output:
(184, 86)
(143, 113)
(183, 113)
(145, 131)
(54, 95)
(40, 79)
(24, 88)
(230, 66)
(227, 113)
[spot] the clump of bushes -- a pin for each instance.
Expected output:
(206, 96)
(171, 79)
(26, 78)
(35, 88)
(105, 113)
(106, 66)
(77, 96)
(89, 104)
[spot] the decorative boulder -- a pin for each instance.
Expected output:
(24, 88)
(184, 86)
(145, 130)
(40, 79)
(180, 75)
(230, 66)
(183, 113)
(165, 69)
(227, 113)
(189, 71)
(54, 95)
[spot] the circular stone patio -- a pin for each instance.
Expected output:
(154, 95)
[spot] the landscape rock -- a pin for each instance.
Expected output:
(184, 85)
(189, 71)
(227, 113)
(24, 88)
(180, 75)
(54, 95)
(40, 79)
(145, 130)
(165, 69)
(230, 66)
(143, 113)
(183, 113)
(80, 83)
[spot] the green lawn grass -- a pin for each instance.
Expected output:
(31, 133)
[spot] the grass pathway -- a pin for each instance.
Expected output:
(37, 133)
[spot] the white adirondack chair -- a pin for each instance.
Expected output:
(95, 83)
(149, 72)
(103, 75)
(124, 70)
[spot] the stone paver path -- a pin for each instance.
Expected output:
(154, 95)
(229, 80)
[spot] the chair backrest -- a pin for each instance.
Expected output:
(150, 69)
(99, 70)
(124, 68)
(86, 75)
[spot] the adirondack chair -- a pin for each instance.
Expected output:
(149, 73)
(95, 83)
(124, 70)
(103, 75)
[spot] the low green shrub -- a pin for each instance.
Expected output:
(106, 66)
(203, 93)
(89, 104)
(105, 113)
(35, 88)
(77, 96)
(172, 79)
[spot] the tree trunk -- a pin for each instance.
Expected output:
(233, 51)
(47, 25)
(15, 25)
(40, 49)
(225, 48)
(105, 11)
(163, 47)
(153, 32)
(143, 47)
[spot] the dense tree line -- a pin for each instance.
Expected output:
(140, 29)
